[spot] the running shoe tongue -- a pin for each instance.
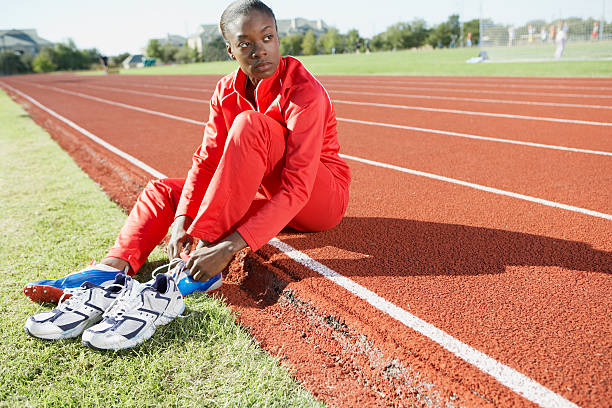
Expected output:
(161, 283)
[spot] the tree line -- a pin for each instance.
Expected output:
(61, 57)
(399, 36)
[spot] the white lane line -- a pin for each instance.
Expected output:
(479, 100)
(90, 135)
(469, 136)
(481, 187)
(177, 98)
(474, 113)
(517, 382)
(476, 84)
(424, 130)
(122, 105)
(171, 87)
(411, 96)
(477, 91)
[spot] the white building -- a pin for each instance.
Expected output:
(208, 32)
(22, 41)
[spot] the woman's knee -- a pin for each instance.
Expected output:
(248, 123)
(163, 190)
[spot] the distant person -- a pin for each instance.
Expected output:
(543, 34)
(595, 32)
(104, 62)
(269, 158)
(565, 28)
(468, 41)
(367, 46)
(551, 32)
(560, 40)
(530, 33)
(510, 36)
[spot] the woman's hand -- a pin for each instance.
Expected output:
(179, 239)
(207, 261)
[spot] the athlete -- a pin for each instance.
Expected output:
(268, 159)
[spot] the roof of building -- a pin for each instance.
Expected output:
(25, 37)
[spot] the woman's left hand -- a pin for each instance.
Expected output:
(207, 261)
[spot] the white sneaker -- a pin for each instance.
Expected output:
(136, 313)
(77, 310)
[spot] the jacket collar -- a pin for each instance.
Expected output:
(267, 89)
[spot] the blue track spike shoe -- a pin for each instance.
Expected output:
(186, 284)
(136, 313)
(51, 290)
(77, 312)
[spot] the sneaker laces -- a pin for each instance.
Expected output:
(173, 270)
(126, 300)
(76, 298)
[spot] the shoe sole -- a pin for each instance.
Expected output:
(44, 293)
(76, 332)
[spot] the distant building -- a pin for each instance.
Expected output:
(173, 39)
(301, 26)
(208, 32)
(205, 34)
(134, 61)
(22, 41)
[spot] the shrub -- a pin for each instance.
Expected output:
(42, 63)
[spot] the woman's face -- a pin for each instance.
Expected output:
(254, 43)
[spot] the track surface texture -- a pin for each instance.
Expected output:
(478, 235)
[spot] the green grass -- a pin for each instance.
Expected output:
(54, 218)
(419, 62)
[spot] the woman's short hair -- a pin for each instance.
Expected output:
(242, 8)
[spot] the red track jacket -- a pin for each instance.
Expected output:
(295, 99)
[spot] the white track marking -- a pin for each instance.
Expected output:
(390, 166)
(122, 105)
(425, 130)
(176, 88)
(514, 380)
(476, 84)
(177, 98)
(481, 187)
(473, 113)
(90, 135)
(469, 136)
(479, 100)
(477, 91)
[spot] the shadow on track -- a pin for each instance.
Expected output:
(395, 247)
(410, 248)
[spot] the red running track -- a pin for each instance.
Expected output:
(516, 265)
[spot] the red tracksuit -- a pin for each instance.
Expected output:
(259, 168)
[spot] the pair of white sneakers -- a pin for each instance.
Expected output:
(114, 317)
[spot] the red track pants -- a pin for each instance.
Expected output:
(155, 209)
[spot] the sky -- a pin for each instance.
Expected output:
(116, 26)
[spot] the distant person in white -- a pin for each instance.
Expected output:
(560, 39)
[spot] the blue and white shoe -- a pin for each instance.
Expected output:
(51, 290)
(135, 314)
(77, 312)
(186, 284)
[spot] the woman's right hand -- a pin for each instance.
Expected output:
(180, 240)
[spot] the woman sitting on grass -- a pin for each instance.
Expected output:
(269, 159)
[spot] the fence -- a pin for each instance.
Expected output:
(536, 40)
